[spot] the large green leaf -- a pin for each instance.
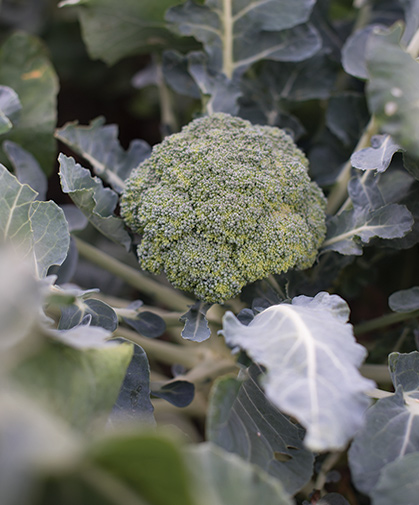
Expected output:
(113, 30)
(311, 360)
(150, 465)
(238, 33)
(39, 229)
(243, 421)
(95, 201)
(222, 478)
(392, 90)
(80, 386)
(26, 68)
(398, 482)
(391, 430)
(98, 144)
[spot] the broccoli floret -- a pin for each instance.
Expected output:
(224, 203)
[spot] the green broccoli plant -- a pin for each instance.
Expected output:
(222, 204)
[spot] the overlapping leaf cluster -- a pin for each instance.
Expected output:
(277, 376)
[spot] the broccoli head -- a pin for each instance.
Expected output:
(224, 203)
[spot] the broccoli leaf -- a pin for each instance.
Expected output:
(80, 386)
(38, 229)
(178, 393)
(349, 231)
(405, 300)
(237, 34)
(21, 299)
(242, 420)
(101, 315)
(378, 156)
(354, 52)
(311, 360)
(404, 370)
(112, 31)
(398, 482)
(391, 429)
(9, 108)
(147, 323)
(222, 478)
(393, 100)
(26, 68)
(411, 16)
(133, 402)
(149, 467)
(196, 325)
(26, 168)
(98, 144)
(346, 116)
(96, 202)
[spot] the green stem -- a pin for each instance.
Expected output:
(340, 191)
(228, 38)
(413, 47)
(377, 373)
(168, 119)
(384, 321)
(163, 351)
(163, 294)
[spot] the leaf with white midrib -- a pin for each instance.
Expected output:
(37, 229)
(311, 360)
(275, 28)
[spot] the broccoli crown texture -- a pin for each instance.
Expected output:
(224, 203)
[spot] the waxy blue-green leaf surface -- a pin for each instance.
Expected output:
(398, 482)
(9, 108)
(38, 229)
(222, 478)
(196, 325)
(404, 300)
(349, 231)
(98, 144)
(133, 403)
(26, 168)
(237, 34)
(179, 393)
(95, 201)
(394, 100)
(391, 430)
(101, 314)
(26, 68)
(378, 156)
(243, 421)
(311, 360)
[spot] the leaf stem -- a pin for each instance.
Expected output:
(228, 38)
(163, 351)
(383, 321)
(377, 373)
(413, 47)
(163, 294)
(340, 191)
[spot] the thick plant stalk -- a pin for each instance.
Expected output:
(163, 294)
